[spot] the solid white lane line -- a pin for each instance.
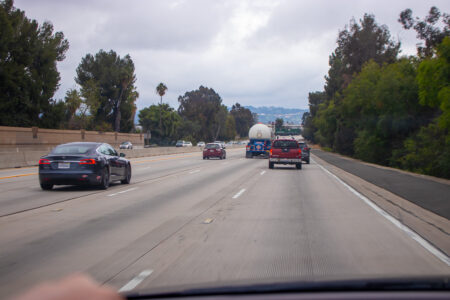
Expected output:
(239, 193)
(121, 192)
(195, 171)
(262, 173)
(433, 250)
(136, 281)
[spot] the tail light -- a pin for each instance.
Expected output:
(87, 161)
(300, 151)
(44, 161)
(270, 151)
(247, 148)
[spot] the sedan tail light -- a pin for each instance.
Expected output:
(270, 151)
(300, 151)
(87, 161)
(44, 161)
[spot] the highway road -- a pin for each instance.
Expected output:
(184, 220)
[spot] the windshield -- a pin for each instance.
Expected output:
(106, 106)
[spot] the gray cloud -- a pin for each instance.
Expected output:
(254, 52)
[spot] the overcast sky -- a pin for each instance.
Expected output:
(258, 53)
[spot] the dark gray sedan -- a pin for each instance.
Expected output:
(83, 164)
(305, 151)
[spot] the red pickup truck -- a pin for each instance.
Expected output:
(286, 152)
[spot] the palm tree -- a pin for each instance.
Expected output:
(161, 90)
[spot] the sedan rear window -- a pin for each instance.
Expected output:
(72, 149)
(212, 146)
(285, 144)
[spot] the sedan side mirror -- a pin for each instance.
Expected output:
(122, 154)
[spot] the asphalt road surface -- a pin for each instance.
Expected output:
(185, 220)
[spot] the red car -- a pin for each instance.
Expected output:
(214, 150)
(286, 152)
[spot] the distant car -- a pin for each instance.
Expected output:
(305, 151)
(183, 144)
(286, 152)
(126, 145)
(83, 164)
(214, 150)
(201, 144)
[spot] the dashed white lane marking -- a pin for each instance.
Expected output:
(262, 173)
(135, 281)
(239, 193)
(121, 192)
(433, 250)
(195, 171)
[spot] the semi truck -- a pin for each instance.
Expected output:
(260, 136)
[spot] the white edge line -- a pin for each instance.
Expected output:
(239, 193)
(263, 172)
(135, 281)
(121, 192)
(129, 190)
(195, 171)
(424, 243)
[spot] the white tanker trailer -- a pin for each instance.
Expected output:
(260, 136)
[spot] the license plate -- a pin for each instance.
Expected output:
(64, 165)
(211, 150)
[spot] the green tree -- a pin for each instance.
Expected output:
(381, 106)
(230, 127)
(427, 29)
(244, 119)
(427, 152)
(314, 100)
(433, 78)
(203, 112)
(161, 91)
(170, 123)
(73, 102)
(29, 77)
(107, 83)
(279, 122)
(357, 44)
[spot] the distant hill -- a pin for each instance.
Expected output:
(270, 114)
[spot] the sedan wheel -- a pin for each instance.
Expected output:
(105, 179)
(127, 176)
(46, 187)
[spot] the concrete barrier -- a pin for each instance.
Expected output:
(31, 158)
